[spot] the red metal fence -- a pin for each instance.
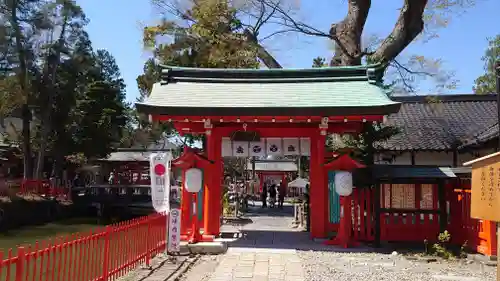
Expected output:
(102, 255)
(44, 188)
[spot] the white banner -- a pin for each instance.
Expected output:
(274, 146)
(227, 148)
(174, 231)
(240, 149)
(305, 146)
(258, 148)
(291, 146)
(159, 170)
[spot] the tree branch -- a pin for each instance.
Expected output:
(262, 53)
(409, 25)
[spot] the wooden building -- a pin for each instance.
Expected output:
(445, 130)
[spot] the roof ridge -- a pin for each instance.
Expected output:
(445, 98)
(371, 73)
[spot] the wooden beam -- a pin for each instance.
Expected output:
(408, 211)
(443, 214)
(270, 130)
(260, 119)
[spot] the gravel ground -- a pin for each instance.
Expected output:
(327, 266)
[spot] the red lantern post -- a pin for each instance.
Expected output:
(344, 237)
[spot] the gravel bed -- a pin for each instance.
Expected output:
(327, 266)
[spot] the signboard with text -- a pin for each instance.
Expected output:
(485, 193)
(174, 231)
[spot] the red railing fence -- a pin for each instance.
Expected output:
(43, 188)
(104, 254)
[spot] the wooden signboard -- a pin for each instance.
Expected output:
(485, 193)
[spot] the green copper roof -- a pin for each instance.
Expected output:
(272, 92)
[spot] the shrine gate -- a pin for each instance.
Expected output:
(273, 103)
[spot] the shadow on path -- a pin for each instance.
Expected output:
(271, 228)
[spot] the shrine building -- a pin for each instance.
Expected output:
(268, 104)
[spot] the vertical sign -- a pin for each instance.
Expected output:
(160, 181)
(174, 231)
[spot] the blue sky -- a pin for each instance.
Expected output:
(116, 25)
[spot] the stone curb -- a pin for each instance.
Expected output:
(183, 268)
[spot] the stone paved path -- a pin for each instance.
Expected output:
(267, 250)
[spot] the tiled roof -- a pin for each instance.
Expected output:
(275, 92)
(139, 156)
(442, 122)
(485, 136)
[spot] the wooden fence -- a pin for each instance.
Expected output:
(102, 255)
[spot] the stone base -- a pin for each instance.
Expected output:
(210, 248)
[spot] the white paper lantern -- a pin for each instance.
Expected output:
(193, 180)
(343, 183)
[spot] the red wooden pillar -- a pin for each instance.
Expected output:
(213, 206)
(261, 182)
(185, 207)
(284, 183)
(318, 189)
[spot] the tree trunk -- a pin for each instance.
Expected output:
(49, 79)
(26, 138)
(348, 32)
(25, 90)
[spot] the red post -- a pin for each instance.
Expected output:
(344, 238)
(21, 257)
(148, 242)
(185, 206)
(318, 189)
(213, 206)
(105, 263)
(195, 234)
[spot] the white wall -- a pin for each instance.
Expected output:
(429, 158)
(10, 127)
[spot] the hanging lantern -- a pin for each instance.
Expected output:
(343, 183)
(193, 180)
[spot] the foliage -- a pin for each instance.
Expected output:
(441, 247)
(212, 38)
(49, 68)
(486, 83)
(319, 62)
(102, 118)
